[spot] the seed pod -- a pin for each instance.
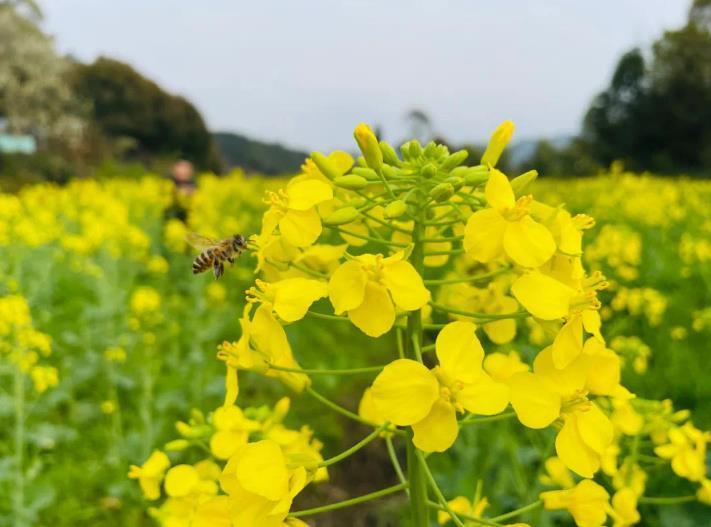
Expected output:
(324, 165)
(351, 181)
(522, 183)
(395, 209)
(389, 154)
(368, 144)
(341, 216)
(367, 173)
(442, 192)
(454, 160)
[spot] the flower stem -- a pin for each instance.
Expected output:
(355, 448)
(671, 500)
(349, 503)
(517, 512)
(316, 371)
(338, 408)
(326, 316)
(475, 420)
(436, 490)
(476, 314)
(472, 278)
(368, 238)
(18, 496)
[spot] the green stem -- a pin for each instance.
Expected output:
(413, 339)
(394, 460)
(337, 408)
(353, 501)
(308, 271)
(671, 500)
(474, 278)
(468, 517)
(476, 314)
(517, 512)
(443, 239)
(355, 448)
(325, 316)
(18, 496)
(475, 420)
(436, 490)
(368, 238)
(316, 371)
(442, 253)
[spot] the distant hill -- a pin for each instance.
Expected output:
(522, 151)
(255, 156)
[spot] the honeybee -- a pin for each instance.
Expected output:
(214, 253)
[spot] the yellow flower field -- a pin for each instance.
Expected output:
(412, 337)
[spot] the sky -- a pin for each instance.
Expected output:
(305, 72)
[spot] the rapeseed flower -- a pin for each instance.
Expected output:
(406, 393)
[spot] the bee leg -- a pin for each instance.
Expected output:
(231, 259)
(219, 269)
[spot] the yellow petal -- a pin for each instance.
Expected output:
(293, 297)
(404, 392)
(566, 382)
(535, 404)
(568, 344)
(573, 451)
(215, 512)
(499, 139)
(595, 429)
(438, 430)
(300, 228)
(484, 235)
(305, 193)
(405, 285)
(376, 314)
(181, 480)
(224, 443)
(499, 193)
(261, 469)
(484, 396)
(346, 288)
(459, 351)
(542, 296)
(367, 409)
(528, 243)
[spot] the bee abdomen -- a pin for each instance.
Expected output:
(202, 263)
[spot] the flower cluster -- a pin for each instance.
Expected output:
(446, 263)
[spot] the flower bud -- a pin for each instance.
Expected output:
(367, 173)
(389, 154)
(324, 165)
(454, 160)
(395, 209)
(456, 181)
(431, 151)
(391, 172)
(475, 176)
(368, 144)
(177, 445)
(522, 183)
(341, 216)
(428, 171)
(411, 150)
(442, 192)
(351, 181)
(499, 139)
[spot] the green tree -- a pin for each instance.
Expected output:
(657, 115)
(140, 118)
(35, 96)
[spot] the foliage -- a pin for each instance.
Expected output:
(133, 340)
(130, 108)
(255, 156)
(656, 116)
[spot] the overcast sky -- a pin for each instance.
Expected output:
(304, 72)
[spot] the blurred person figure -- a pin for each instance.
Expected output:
(182, 174)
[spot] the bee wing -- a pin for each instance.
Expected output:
(199, 241)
